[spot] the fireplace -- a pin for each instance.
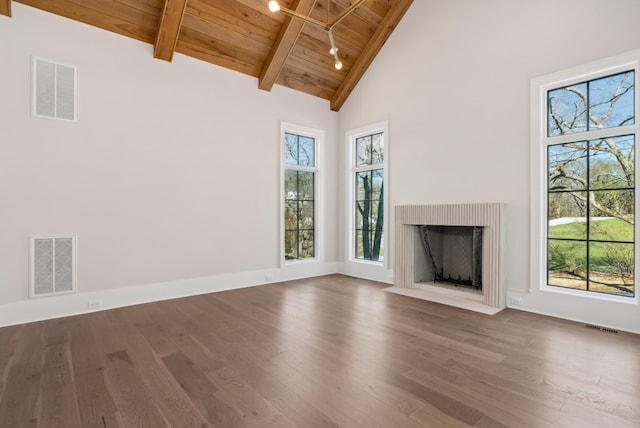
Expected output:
(464, 237)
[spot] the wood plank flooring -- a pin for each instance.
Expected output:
(331, 351)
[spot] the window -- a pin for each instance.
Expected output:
(590, 184)
(300, 173)
(368, 201)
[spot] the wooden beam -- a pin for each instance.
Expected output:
(169, 30)
(284, 44)
(5, 7)
(382, 33)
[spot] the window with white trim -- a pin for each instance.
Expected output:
(300, 147)
(587, 171)
(368, 176)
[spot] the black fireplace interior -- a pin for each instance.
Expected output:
(452, 254)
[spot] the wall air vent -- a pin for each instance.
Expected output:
(52, 265)
(54, 90)
(597, 327)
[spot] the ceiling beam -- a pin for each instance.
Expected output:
(5, 7)
(169, 30)
(283, 46)
(382, 33)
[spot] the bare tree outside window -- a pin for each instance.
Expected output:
(369, 200)
(299, 196)
(591, 186)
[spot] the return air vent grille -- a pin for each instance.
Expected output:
(52, 265)
(54, 90)
(597, 327)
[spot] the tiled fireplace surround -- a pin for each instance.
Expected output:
(488, 215)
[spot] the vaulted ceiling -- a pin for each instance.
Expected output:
(243, 35)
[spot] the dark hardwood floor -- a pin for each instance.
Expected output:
(324, 352)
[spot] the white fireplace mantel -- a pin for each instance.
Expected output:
(488, 215)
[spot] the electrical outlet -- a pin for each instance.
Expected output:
(96, 303)
(516, 301)
(268, 277)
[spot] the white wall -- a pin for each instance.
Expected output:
(453, 81)
(170, 178)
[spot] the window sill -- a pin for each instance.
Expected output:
(590, 295)
(301, 261)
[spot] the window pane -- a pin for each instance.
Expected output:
(290, 215)
(376, 208)
(299, 150)
(377, 176)
(290, 245)
(363, 151)
(370, 150)
(610, 229)
(377, 149)
(611, 268)
(361, 208)
(568, 166)
(612, 162)
(305, 220)
(363, 185)
(567, 110)
(369, 238)
(611, 101)
(612, 215)
(381, 235)
(290, 149)
(305, 186)
(290, 184)
(359, 244)
(567, 263)
(306, 149)
(306, 244)
(568, 215)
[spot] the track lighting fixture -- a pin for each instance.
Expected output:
(274, 6)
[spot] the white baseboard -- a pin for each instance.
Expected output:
(78, 303)
(366, 270)
(596, 310)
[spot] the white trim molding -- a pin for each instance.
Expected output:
(24, 311)
(374, 270)
(317, 169)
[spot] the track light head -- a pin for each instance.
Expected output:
(274, 6)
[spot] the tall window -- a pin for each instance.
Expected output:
(368, 170)
(299, 196)
(590, 150)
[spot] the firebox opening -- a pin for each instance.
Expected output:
(450, 255)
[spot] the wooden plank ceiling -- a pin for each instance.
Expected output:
(243, 35)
